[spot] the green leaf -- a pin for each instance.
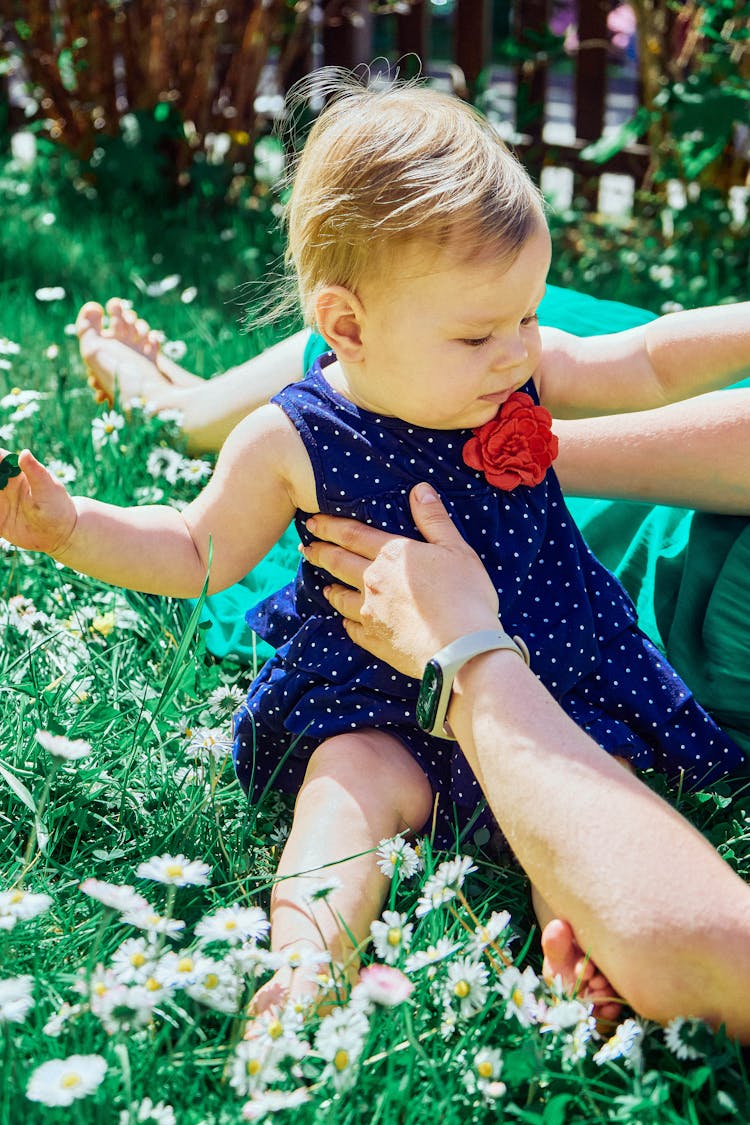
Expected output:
(18, 788)
(8, 468)
(606, 147)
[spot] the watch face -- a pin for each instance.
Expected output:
(429, 695)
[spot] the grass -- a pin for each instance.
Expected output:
(130, 675)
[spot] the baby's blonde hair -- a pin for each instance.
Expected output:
(383, 166)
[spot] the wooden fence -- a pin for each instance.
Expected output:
(349, 41)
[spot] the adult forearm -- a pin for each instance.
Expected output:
(693, 454)
(148, 548)
(662, 915)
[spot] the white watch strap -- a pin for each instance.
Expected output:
(453, 657)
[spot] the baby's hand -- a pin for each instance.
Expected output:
(36, 512)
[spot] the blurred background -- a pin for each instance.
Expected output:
(142, 140)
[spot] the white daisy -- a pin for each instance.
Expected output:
(487, 933)
(396, 855)
(175, 870)
(71, 749)
(60, 1082)
(442, 885)
(20, 906)
(150, 1113)
(28, 410)
(61, 471)
(392, 936)
(117, 896)
(174, 349)
(430, 957)
(234, 924)
(340, 1040)
(624, 1044)
(678, 1033)
(216, 985)
(150, 922)
(135, 960)
(269, 1102)
(519, 989)
(9, 347)
(192, 469)
(16, 999)
(484, 1070)
(467, 983)
(17, 397)
(105, 430)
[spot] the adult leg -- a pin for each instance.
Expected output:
(359, 789)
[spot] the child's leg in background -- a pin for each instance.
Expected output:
(359, 789)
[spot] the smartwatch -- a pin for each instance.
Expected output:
(437, 682)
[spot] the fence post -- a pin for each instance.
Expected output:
(413, 37)
(472, 34)
(530, 20)
(347, 33)
(590, 86)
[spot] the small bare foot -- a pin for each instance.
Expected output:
(126, 326)
(306, 982)
(564, 958)
(121, 360)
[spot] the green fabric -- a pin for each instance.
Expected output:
(688, 574)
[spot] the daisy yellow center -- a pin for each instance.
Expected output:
(462, 989)
(15, 391)
(394, 858)
(100, 989)
(109, 428)
(275, 1030)
(394, 935)
(175, 870)
(137, 959)
(154, 919)
(152, 985)
(68, 1081)
(211, 981)
(16, 897)
(253, 1066)
(484, 1069)
(341, 1059)
(230, 924)
(185, 965)
(517, 997)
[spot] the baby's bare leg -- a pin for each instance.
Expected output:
(359, 789)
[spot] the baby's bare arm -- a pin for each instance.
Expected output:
(243, 510)
(672, 358)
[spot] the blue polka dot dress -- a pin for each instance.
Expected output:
(575, 617)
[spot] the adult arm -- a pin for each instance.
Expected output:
(692, 454)
(661, 914)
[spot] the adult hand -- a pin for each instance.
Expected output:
(409, 598)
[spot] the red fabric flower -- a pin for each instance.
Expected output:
(515, 447)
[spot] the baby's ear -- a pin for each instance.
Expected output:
(338, 315)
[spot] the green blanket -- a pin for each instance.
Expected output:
(688, 573)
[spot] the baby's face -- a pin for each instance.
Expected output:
(446, 342)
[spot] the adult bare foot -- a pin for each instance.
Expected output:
(121, 359)
(564, 958)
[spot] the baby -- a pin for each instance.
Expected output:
(421, 250)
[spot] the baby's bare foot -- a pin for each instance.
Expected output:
(126, 326)
(564, 958)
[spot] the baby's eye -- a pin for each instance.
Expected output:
(530, 319)
(476, 343)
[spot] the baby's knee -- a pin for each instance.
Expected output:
(380, 767)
